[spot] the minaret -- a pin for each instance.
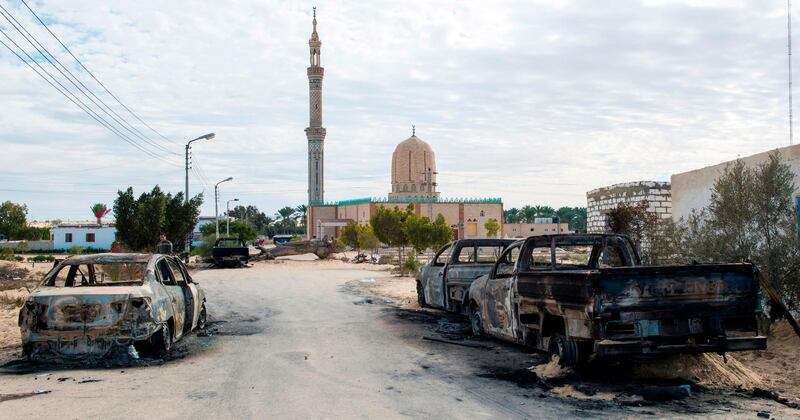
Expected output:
(315, 133)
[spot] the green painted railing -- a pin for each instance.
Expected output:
(406, 200)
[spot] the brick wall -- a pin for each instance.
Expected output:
(600, 200)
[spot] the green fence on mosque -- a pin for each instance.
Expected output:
(387, 200)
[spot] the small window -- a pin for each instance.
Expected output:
(466, 255)
(165, 273)
(90, 237)
(482, 214)
(573, 257)
(67, 237)
(541, 258)
(489, 254)
(444, 257)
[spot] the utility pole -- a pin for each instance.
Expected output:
(216, 202)
(188, 240)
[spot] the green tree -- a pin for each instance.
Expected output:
(367, 239)
(260, 221)
(388, 225)
(442, 232)
(349, 236)
(511, 215)
(239, 229)
(140, 220)
(13, 219)
(492, 227)
(302, 212)
(286, 221)
(419, 231)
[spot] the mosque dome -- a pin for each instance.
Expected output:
(413, 162)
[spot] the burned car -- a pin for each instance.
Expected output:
(586, 295)
(87, 306)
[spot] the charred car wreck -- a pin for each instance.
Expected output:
(578, 296)
(88, 306)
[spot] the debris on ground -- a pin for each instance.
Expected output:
(457, 343)
(8, 397)
(707, 369)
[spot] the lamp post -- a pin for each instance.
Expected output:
(227, 217)
(208, 136)
(216, 202)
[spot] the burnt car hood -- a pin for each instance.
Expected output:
(80, 308)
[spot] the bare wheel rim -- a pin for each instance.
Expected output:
(166, 337)
(201, 322)
(476, 322)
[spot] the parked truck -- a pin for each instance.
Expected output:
(444, 282)
(230, 252)
(582, 296)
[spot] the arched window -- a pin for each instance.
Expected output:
(413, 187)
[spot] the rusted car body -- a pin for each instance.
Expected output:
(583, 295)
(87, 306)
(444, 282)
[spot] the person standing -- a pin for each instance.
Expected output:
(164, 245)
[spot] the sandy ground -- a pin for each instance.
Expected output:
(776, 369)
(314, 339)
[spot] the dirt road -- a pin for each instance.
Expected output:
(292, 340)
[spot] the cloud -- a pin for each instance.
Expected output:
(534, 102)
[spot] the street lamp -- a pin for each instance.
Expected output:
(227, 217)
(208, 136)
(216, 201)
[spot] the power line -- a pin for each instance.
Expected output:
(41, 49)
(93, 76)
(66, 92)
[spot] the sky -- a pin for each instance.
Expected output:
(535, 102)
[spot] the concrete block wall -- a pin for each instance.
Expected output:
(598, 201)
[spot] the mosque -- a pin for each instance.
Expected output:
(413, 178)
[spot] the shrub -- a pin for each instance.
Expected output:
(73, 250)
(412, 264)
(42, 258)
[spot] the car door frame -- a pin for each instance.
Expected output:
(175, 294)
(497, 285)
(193, 292)
(435, 276)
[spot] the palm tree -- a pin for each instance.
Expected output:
(511, 215)
(302, 210)
(527, 214)
(99, 210)
(285, 216)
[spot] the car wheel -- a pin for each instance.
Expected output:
(565, 349)
(202, 318)
(421, 296)
(162, 339)
(476, 320)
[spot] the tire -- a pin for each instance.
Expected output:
(421, 296)
(202, 319)
(162, 339)
(566, 350)
(476, 321)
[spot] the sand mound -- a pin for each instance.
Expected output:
(706, 369)
(550, 369)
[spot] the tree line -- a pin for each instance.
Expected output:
(14, 224)
(574, 216)
(751, 217)
(398, 228)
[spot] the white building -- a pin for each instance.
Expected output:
(692, 190)
(86, 235)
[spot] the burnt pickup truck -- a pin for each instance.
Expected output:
(230, 252)
(582, 296)
(444, 282)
